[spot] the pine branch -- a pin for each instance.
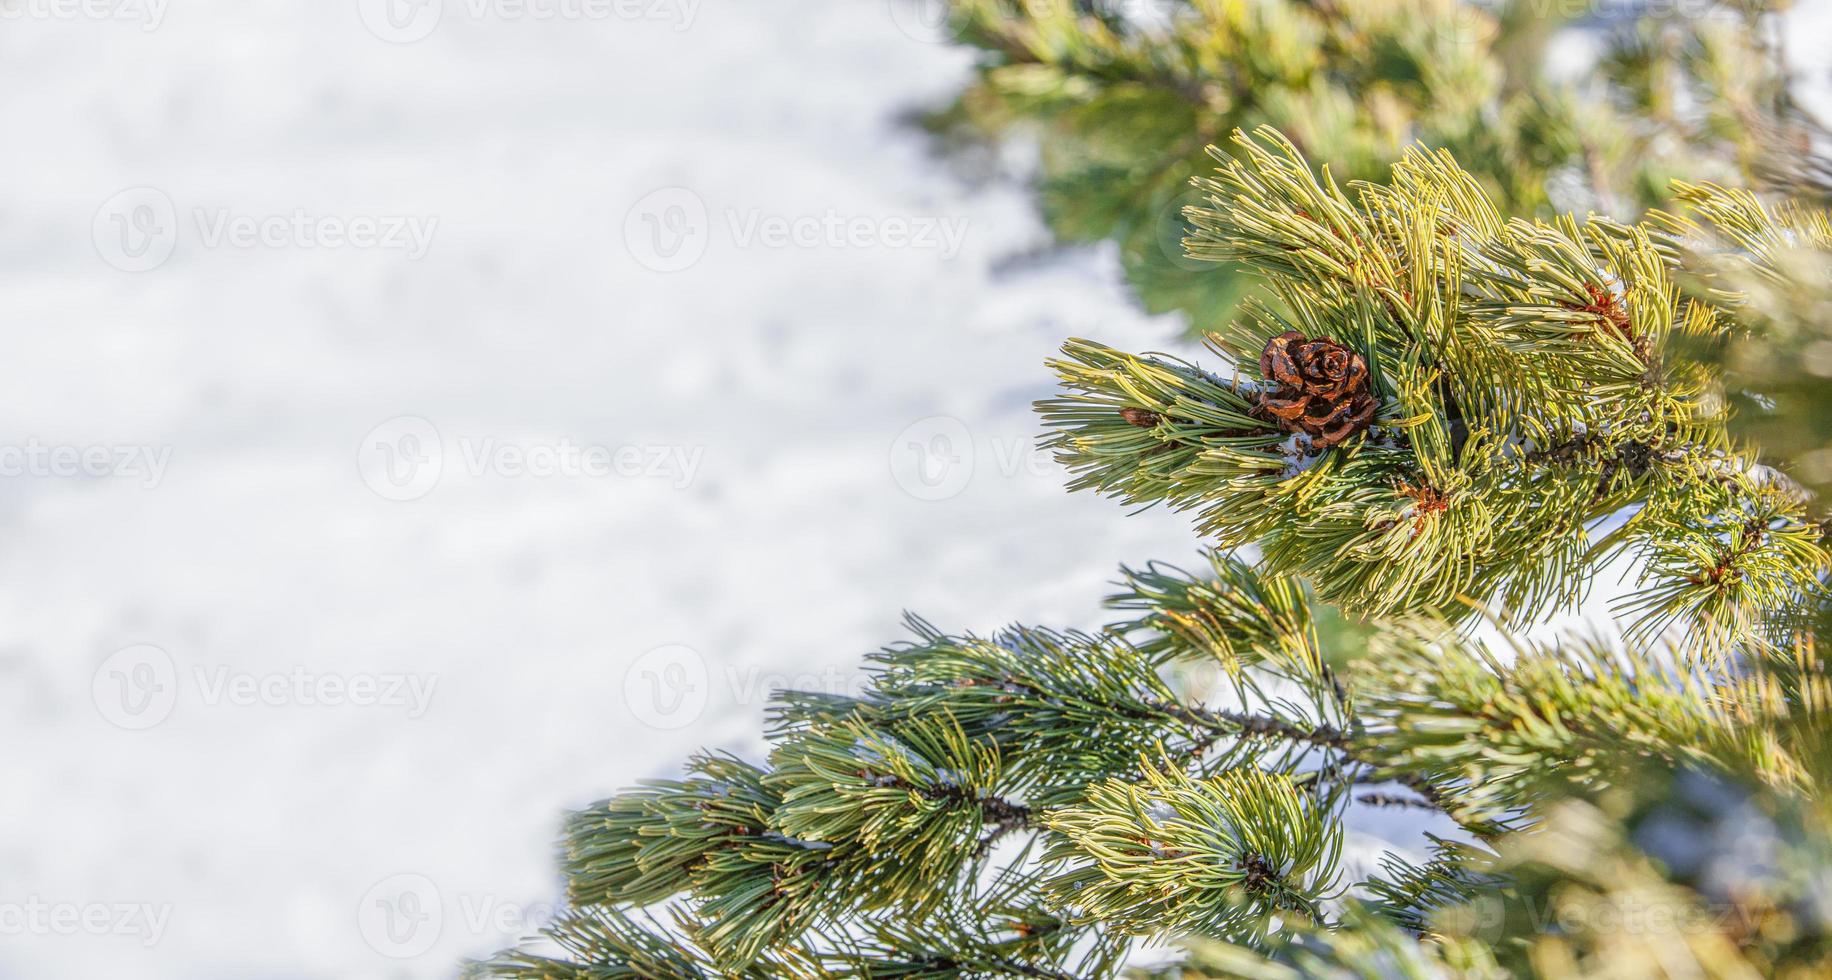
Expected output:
(1527, 390)
(1440, 407)
(1219, 854)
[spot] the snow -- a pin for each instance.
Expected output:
(375, 697)
(291, 705)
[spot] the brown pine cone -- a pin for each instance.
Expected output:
(1140, 417)
(1318, 387)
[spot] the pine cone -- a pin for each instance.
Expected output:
(1318, 387)
(1141, 417)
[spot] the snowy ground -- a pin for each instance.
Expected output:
(782, 500)
(417, 427)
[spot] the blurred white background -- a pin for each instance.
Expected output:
(357, 458)
(424, 417)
